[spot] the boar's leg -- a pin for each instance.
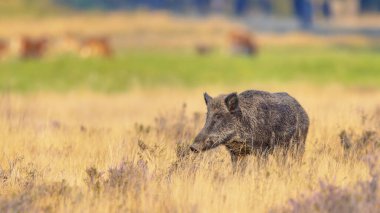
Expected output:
(262, 156)
(293, 152)
(297, 148)
(239, 163)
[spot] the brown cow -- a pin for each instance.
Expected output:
(28, 47)
(96, 46)
(241, 42)
(3, 48)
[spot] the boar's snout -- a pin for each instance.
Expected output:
(195, 148)
(201, 142)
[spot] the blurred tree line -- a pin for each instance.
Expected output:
(298, 8)
(10, 7)
(303, 10)
(237, 7)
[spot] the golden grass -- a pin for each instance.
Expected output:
(49, 140)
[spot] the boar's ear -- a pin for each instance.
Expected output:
(207, 98)
(232, 102)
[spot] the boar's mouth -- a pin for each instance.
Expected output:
(197, 147)
(193, 149)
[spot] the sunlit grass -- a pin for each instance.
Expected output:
(49, 141)
(127, 70)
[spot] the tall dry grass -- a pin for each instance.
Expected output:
(87, 152)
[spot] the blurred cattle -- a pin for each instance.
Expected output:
(241, 43)
(28, 47)
(96, 46)
(69, 43)
(203, 49)
(3, 48)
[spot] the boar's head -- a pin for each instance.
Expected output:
(222, 122)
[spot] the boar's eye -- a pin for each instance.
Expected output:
(218, 116)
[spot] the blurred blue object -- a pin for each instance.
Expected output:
(326, 9)
(241, 7)
(266, 6)
(303, 10)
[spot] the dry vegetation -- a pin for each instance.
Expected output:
(95, 152)
(84, 152)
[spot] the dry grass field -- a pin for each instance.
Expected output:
(88, 152)
(112, 134)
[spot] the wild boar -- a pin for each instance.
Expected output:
(253, 122)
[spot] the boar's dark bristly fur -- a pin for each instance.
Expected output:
(253, 122)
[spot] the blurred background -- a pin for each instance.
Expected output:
(115, 45)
